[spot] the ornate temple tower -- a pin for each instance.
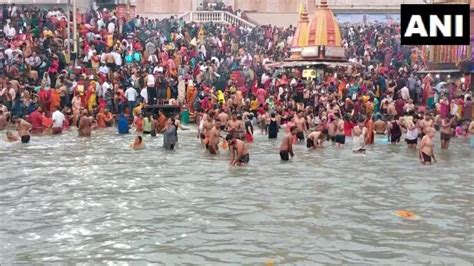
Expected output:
(318, 39)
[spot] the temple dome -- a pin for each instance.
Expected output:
(323, 27)
(314, 37)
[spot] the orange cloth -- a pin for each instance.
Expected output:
(47, 122)
(55, 100)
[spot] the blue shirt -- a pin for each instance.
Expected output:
(122, 125)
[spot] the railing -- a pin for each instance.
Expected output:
(216, 17)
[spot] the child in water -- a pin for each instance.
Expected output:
(137, 143)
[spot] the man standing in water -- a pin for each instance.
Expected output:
(85, 125)
(23, 130)
(213, 138)
(340, 136)
(234, 126)
(446, 132)
(58, 122)
(426, 151)
(239, 152)
(286, 148)
(300, 123)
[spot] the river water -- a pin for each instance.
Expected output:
(69, 200)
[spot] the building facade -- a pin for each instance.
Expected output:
(267, 6)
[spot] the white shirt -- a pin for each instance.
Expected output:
(104, 69)
(150, 80)
(111, 27)
(58, 119)
(9, 53)
(131, 94)
(103, 89)
(405, 93)
(117, 58)
(144, 94)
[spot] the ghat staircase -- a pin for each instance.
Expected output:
(216, 17)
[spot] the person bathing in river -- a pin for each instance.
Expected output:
(85, 125)
(169, 134)
(446, 132)
(138, 143)
(11, 137)
(316, 138)
(426, 151)
(239, 152)
(23, 130)
(212, 138)
(300, 123)
(359, 133)
(286, 148)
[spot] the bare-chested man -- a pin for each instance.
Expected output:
(340, 136)
(380, 126)
(239, 152)
(300, 123)
(425, 124)
(208, 124)
(315, 139)
(85, 125)
(213, 138)
(426, 150)
(286, 148)
(223, 117)
(446, 132)
(23, 130)
(234, 126)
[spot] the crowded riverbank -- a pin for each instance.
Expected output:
(357, 165)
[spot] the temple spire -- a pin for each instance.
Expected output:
(303, 13)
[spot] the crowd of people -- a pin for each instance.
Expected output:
(219, 74)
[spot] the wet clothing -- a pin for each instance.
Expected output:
(146, 125)
(284, 155)
(341, 139)
(273, 129)
(425, 157)
(445, 136)
(212, 148)
(244, 158)
(309, 143)
(57, 130)
(169, 138)
(395, 133)
(300, 135)
(123, 125)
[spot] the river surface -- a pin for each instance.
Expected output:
(69, 200)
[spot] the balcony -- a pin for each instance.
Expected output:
(216, 17)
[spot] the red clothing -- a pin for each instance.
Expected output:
(348, 126)
(36, 119)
